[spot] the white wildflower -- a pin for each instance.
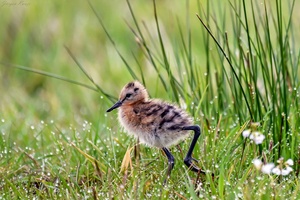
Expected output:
(289, 162)
(289, 169)
(267, 168)
(257, 137)
(283, 168)
(257, 163)
(246, 133)
(264, 168)
(276, 171)
(284, 172)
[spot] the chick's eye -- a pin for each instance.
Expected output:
(128, 95)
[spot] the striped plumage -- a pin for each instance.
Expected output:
(155, 123)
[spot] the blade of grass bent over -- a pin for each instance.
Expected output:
(36, 71)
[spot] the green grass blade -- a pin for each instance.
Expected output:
(232, 68)
(36, 71)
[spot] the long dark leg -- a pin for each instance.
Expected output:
(171, 161)
(188, 159)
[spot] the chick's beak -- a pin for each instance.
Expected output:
(117, 105)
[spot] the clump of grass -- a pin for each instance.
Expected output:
(247, 81)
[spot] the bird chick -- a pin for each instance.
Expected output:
(155, 122)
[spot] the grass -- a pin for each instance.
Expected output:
(232, 65)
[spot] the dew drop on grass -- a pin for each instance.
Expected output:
(2, 120)
(32, 127)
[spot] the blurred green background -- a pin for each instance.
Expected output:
(33, 34)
